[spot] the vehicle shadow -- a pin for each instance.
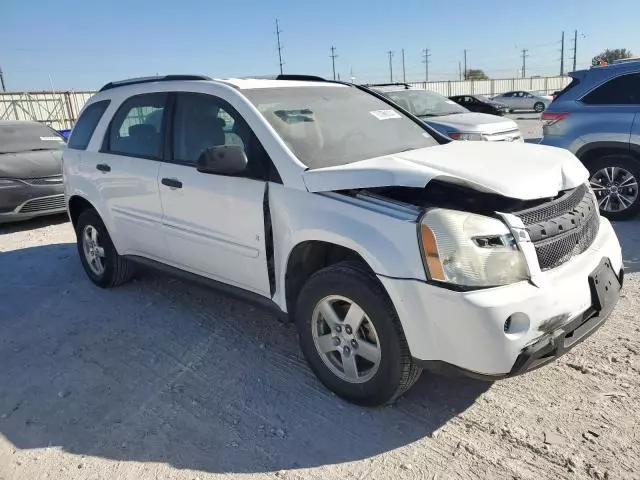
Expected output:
(629, 235)
(161, 370)
(38, 222)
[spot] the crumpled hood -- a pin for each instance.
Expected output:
(471, 123)
(517, 170)
(40, 163)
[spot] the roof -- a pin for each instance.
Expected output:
(4, 123)
(250, 83)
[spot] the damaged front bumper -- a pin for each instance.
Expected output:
(469, 332)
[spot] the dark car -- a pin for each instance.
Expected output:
(30, 171)
(477, 103)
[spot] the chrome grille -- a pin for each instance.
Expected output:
(55, 202)
(562, 228)
(54, 180)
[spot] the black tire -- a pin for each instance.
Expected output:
(396, 372)
(539, 107)
(629, 164)
(117, 270)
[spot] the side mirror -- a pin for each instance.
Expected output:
(223, 160)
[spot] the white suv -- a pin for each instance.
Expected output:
(393, 248)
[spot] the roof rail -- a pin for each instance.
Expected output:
(395, 84)
(165, 78)
(295, 76)
(625, 60)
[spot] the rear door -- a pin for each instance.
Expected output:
(214, 224)
(125, 172)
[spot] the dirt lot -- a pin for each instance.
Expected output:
(161, 379)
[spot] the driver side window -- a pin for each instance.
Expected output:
(202, 121)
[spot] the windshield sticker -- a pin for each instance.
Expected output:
(51, 139)
(385, 114)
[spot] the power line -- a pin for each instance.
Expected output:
(562, 56)
(333, 60)
(390, 53)
(278, 32)
(524, 62)
(425, 60)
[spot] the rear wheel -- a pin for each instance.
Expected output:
(539, 107)
(100, 260)
(614, 180)
(351, 336)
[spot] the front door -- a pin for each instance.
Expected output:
(125, 172)
(214, 224)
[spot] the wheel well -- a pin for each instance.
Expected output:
(594, 154)
(77, 205)
(306, 258)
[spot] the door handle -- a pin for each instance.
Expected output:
(172, 182)
(103, 167)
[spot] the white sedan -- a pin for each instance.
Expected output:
(521, 100)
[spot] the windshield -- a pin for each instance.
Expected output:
(336, 125)
(423, 103)
(18, 137)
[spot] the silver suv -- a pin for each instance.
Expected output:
(597, 117)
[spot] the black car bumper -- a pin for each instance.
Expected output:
(605, 287)
(28, 200)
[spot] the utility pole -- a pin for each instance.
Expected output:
(575, 48)
(459, 71)
(562, 56)
(278, 32)
(425, 59)
(333, 60)
(465, 64)
(4, 89)
(390, 53)
(404, 76)
(524, 62)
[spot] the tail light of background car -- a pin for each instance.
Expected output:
(551, 118)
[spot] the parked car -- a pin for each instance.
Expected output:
(30, 171)
(522, 100)
(449, 118)
(379, 236)
(597, 117)
(480, 104)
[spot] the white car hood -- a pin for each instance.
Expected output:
(516, 170)
(472, 123)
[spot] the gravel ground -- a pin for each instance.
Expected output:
(162, 379)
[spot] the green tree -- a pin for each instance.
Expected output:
(611, 54)
(475, 74)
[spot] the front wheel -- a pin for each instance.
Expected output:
(351, 336)
(614, 180)
(539, 107)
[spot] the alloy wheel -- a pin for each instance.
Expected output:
(93, 250)
(616, 189)
(346, 339)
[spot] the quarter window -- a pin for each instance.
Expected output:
(623, 90)
(137, 126)
(86, 125)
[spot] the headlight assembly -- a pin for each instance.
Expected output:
(469, 250)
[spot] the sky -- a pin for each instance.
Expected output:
(81, 45)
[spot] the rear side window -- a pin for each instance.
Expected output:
(622, 90)
(574, 83)
(136, 128)
(86, 124)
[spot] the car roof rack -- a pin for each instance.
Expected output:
(305, 78)
(164, 78)
(394, 84)
(625, 60)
